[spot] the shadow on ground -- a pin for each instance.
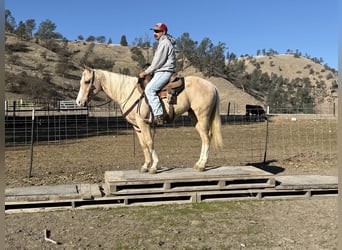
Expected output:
(268, 166)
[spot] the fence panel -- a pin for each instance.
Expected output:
(246, 139)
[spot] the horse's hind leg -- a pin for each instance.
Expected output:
(203, 130)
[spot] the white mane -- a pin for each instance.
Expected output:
(120, 85)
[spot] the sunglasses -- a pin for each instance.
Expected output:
(158, 31)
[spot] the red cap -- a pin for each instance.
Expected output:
(160, 26)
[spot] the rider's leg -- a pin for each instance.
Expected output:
(158, 81)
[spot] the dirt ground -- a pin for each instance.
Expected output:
(265, 224)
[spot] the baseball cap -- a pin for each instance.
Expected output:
(160, 26)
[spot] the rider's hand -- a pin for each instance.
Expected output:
(142, 74)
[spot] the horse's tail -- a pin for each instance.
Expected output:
(215, 123)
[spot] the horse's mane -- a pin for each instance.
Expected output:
(117, 77)
(120, 84)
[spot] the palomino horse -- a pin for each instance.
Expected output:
(199, 98)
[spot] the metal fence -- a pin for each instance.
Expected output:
(62, 120)
(249, 139)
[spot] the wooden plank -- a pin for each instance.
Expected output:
(307, 181)
(187, 179)
(166, 174)
(165, 198)
(58, 192)
(263, 194)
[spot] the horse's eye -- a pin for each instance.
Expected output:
(87, 82)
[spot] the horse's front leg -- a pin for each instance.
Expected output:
(147, 145)
(146, 152)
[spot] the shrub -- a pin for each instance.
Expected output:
(104, 64)
(329, 76)
(18, 47)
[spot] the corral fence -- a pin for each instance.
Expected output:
(63, 120)
(251, 137)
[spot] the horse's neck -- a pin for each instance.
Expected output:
(118, 87)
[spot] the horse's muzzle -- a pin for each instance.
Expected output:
(81, 103)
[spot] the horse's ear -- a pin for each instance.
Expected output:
(86, 67)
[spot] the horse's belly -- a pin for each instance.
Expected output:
(180, 107)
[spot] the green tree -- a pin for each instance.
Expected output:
(186, 48)
(30, 25)
(143, 42)
(46, 30)
(201, 51)
(101, 39)
(138, 56)
(9, 21)
(234, 71)
(216, 60)
(123, 41)
(90, 39)
(100, 63)
(21, 30)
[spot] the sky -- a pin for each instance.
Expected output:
(244, 26)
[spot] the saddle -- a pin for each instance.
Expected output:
(170, 91)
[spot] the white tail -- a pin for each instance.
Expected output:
(215, 125)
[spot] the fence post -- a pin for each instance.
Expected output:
(334, 108)
(228, 109)
(32, 139)
(14, 108)
(266, 141)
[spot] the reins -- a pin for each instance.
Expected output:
(123, 104)
(129, 96)
(133, 105)
(102, 104)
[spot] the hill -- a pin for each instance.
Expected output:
(52, 72)
(322, 80)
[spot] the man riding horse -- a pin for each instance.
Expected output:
(162, 67)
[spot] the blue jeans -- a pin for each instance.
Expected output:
(157, 83)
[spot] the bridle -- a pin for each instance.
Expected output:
(92, 85)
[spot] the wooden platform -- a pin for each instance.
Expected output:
(215, 184)
(186, 179)
(171, 186)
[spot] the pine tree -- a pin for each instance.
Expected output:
(123, 41)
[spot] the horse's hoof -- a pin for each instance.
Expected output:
(152, 170)
(143, 170)
(198, 168)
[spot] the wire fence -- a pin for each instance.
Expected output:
(247, 138)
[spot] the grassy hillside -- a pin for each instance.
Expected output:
(322, 80)
(52, 70)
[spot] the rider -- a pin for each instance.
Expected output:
(162, 67)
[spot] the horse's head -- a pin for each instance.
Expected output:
(89, 87)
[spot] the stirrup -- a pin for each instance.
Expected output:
(158, 120)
